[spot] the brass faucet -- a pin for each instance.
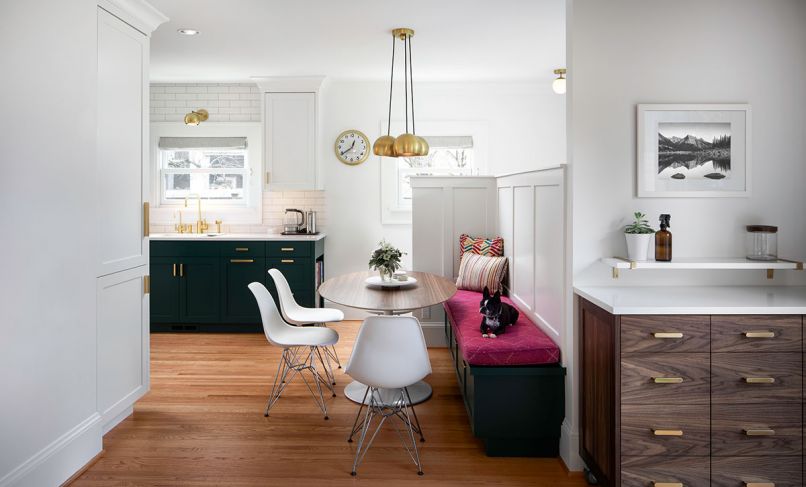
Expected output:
(201, 223)
(182, 227)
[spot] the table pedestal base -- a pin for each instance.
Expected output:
(419, 392)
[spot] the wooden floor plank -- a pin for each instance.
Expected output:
(202, 425)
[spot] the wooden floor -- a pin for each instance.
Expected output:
(202, 424)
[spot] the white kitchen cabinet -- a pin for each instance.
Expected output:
(122, 138)
(290, 142)
(123, 343)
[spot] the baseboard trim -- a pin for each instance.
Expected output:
(434, 334)
(569, 449)
(110, 423)
(60, 459)
(83, 469)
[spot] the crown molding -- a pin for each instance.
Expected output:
(286, 84)
(138, 13)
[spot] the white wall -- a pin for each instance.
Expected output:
(526, 131)
(47, 287)
(627, 52)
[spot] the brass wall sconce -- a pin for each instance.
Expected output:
(196, 117)
(559, 84)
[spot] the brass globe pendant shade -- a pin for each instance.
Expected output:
(196, 117)
(407, 144)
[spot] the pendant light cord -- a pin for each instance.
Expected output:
(406, 78)
(411, 84)
(391, 87)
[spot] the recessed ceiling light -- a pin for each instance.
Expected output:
(188, 32)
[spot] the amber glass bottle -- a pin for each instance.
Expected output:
(663, 240)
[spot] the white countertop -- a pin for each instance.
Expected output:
(212, 237)
(697, 299)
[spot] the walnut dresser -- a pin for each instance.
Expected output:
(694, 386)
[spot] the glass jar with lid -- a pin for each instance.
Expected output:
(761, 242)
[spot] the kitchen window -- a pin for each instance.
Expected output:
(447, 156)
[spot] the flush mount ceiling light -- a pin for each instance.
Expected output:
(196, 117)
(407, 144)
(559, 84)
(188, 32)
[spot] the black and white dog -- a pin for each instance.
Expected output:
(496, 316)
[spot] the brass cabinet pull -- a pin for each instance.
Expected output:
(181, 270)
(287, 261)
(759, 484)
(146, 284)
(759, 334)
(146, 219)
(760, 432)
(667, 432)
(242, 249)
(667, 484)
(287, 249)
(667, 335)
(173, 272)
(667, 380)
(759, 380)
(242, 261)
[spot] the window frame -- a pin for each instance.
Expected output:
(163, 212)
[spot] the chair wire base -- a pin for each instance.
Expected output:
(376, 407)
(294, 361)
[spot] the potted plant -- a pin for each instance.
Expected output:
(638, 234)
(386, 260)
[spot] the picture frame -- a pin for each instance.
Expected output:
(694, 151)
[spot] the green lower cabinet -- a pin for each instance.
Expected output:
(165, 281)
(199, 291)
(238, 304)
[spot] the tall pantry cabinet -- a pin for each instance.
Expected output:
(122, 287)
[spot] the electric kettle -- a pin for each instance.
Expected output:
(294, 221)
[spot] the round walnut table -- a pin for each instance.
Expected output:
(351, 290)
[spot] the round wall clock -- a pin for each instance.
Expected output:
(352, 147)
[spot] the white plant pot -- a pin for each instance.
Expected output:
(638, 245)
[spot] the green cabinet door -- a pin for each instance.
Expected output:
(199, 294)
(164, 301)
(238, 304)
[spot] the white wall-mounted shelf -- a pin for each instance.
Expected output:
(736, 263)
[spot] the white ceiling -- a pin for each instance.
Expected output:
(454, 40)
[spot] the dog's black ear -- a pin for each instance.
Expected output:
(497, 294)
(486, 292)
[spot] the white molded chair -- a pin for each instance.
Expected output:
(297, 315)
(389, 355)
(301, 347)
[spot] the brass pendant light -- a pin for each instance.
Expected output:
(407, 144)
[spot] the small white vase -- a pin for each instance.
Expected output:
(638, 245)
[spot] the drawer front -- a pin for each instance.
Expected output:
(767, 471)
(170, 248)
(669, 430)
(672, 378)
(746, 378)
(289, 249)
(298, 272)
(649, 471)
(757, 429)
(243, 249)
(756, 334)
(661, 333)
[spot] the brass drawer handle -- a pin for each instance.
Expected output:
(760, 432)
(287, 261)
(759, 334)
(759, 484)
(181, 270)
(173, 271)
(242, 261)
(667, 335)
(667, 380)
(667, 432)
(286, 249)
(667, 484)
(242, 249)
(760, 380)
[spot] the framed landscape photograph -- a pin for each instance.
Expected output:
(691, 151)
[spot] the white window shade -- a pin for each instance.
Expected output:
(449, 141)
(182, 143)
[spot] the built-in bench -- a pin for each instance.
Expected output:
(513, 385)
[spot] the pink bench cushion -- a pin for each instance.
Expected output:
(522, 344)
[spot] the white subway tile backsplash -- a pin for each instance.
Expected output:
(177, 88)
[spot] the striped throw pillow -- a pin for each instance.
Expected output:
(492, 247)
(478, 271)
